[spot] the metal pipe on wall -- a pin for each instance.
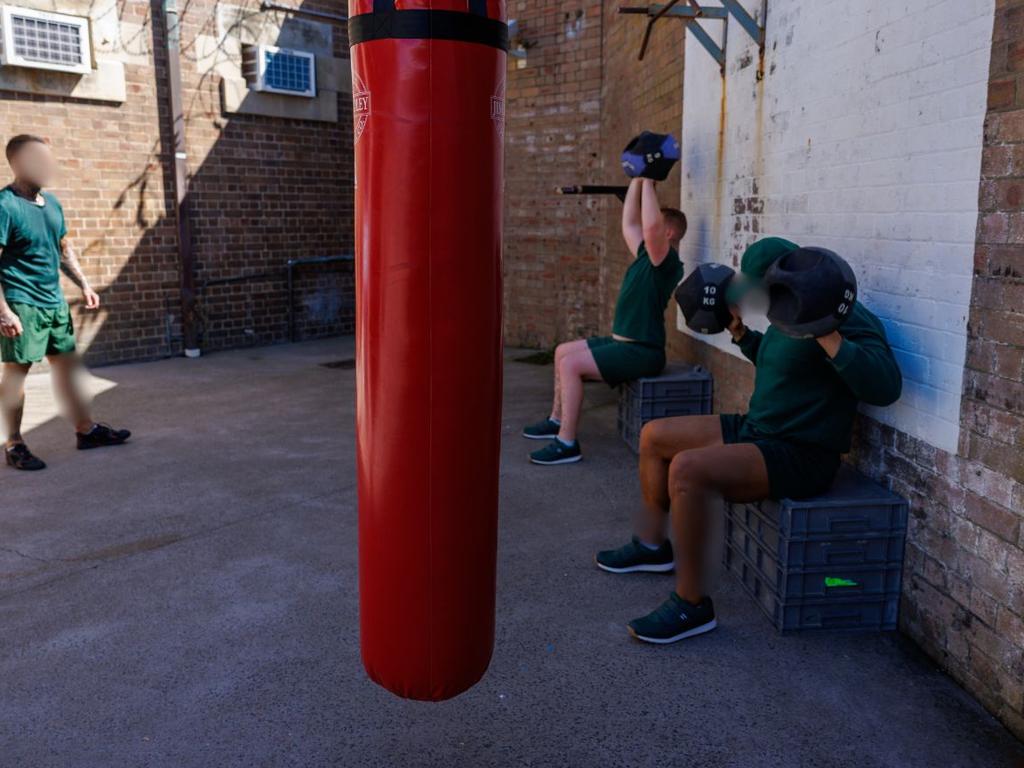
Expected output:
(186, 255)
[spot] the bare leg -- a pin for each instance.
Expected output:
(64, 369)
(561, 351)
(12, 396)
(574, 369)
(660, 441)
(736, 472)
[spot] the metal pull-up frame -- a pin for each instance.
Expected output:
(692, 13)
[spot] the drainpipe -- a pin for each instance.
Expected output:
(186, 257)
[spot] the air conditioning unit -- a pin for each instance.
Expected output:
(41, 40)
(279, 70)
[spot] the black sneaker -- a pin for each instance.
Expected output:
(557, 453)
(20, 457)
(101, 435)
(675, 620)
(542, 430)
(635, 557)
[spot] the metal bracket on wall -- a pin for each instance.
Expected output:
(692, 13)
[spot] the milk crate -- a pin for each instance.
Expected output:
(853, 506)
(846, 549)
(864, 614)
(838, 580)
(681, 390)
(834, 561)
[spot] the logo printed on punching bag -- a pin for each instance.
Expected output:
(360, 105)
(498, 109)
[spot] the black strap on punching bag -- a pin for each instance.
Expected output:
(388, 23)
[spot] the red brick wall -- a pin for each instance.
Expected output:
(554, 244)
(261, 194)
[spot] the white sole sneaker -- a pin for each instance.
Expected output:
(666, 640)
(539, 437)
(647, 568)
(570, 460)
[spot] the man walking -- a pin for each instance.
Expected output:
(35, 321)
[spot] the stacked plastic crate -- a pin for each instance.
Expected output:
(681, 390)
(833, 562)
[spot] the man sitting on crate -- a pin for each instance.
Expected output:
(636, 347)
(788, 445)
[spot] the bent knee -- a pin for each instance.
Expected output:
(687, 471)
(651, 435)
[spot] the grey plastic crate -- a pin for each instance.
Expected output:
(855, 505)
(677, 382)
(828, 582)
(682, 390)
(868, 614)
(843, 549)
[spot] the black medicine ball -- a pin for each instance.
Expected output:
(701, 297)
(811, 292)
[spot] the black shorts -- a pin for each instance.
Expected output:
(795, 471)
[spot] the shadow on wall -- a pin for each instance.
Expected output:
(270, 180)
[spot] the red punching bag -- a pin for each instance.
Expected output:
(428, 100)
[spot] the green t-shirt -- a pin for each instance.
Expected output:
(30, 237)
(645, 291)
(803, 396)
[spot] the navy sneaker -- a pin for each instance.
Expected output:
(673, 620)
(557, 453)
(542, 430)
(20, 457)
(100, 436)
(636, 557)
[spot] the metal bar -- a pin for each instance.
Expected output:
(594, 189)
(684, 14)
(291, 264)
(745, 19)
(718, 54)
(267, 5)
(650, 26)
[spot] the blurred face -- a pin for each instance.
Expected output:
(34, 164)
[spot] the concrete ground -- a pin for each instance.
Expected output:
(190, 600)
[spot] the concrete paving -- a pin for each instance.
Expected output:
(190, 600)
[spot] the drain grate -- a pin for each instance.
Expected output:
(351, 363)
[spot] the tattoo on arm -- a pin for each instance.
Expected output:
(69, 264)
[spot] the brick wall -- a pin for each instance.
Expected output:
(555, 244)
(964, 575)
(261, 193)
(964, 601)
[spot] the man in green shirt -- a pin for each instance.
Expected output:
(636, 347)
(788, 444)
(35, 321)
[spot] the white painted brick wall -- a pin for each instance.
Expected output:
(865, 137)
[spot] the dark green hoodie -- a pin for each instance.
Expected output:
(802, 396)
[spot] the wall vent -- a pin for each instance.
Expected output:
(41, 40)
(279, 70)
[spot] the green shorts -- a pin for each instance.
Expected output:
(44, 331)
(621, 361)
(795, 471)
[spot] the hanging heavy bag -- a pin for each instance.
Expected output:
(428, 102)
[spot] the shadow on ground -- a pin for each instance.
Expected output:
(190, 600)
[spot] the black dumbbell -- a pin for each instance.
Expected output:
(701, 297)
(650, 155)
(811, 292)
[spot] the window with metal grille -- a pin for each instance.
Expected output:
(279, 70)
(41, 40)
